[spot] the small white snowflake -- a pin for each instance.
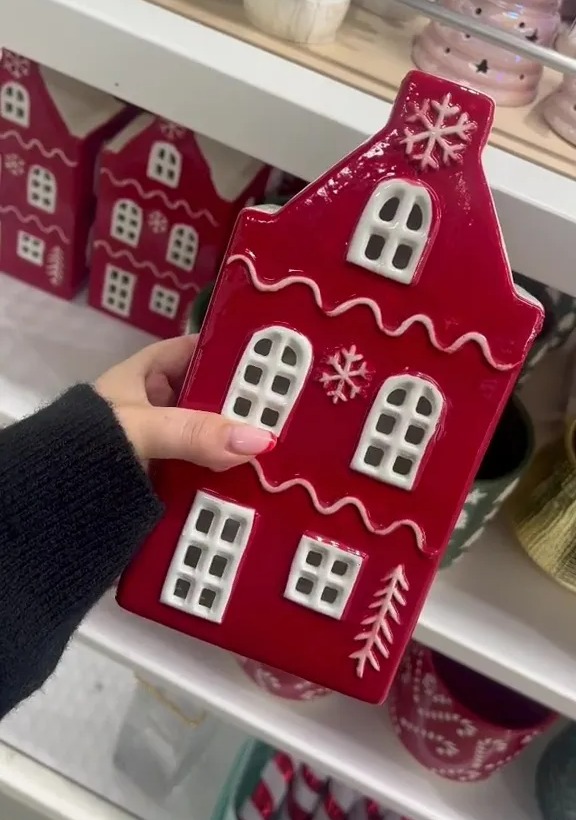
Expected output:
(349, 374)
(157, 222)
(16, 65)
(441, 142)
(14, 164)
(172, 130)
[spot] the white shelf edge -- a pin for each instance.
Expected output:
(43, 790)
(262, 104)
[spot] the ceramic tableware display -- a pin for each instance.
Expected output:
(543, 509)
(167, 201)
(559, 110)
(456, 722)
(366, 328)
(301, 21)
(281, 683)
(52, 128)
(556, 777)
(387, 9)
(510, 79)
(508, 455)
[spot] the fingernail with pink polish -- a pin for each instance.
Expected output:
(244, 440)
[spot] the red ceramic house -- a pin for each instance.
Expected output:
(51, 131)
(372, 324)
(167, 202)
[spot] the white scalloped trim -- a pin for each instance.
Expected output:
(420, 318)
(4, 209)
(102, 243)
(46, 153)
(330, 509)
(179, 203)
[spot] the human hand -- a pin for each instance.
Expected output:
(142, 391)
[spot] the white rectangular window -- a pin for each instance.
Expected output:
(164, 301)
(269, 378)
(399, 427)
(204, 567)
(31, 248)
(118, 290)
(126, 225)
(322, 576)
(165, 164)
(15, 104)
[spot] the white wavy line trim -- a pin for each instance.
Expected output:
(4, 209)
(102, 243)
(179, 203)
(330, 509)
(47, 153)
(420, 318)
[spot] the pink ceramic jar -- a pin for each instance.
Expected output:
(559, 109)
(510, 79)
(281, 684)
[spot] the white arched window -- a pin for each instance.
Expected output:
(393, 230)
(269, 378)
(42, 189)
(165, 164)
(15, 104)
(126, 222)
(403, 419)
(182, 247)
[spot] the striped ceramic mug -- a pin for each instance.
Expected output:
(507, 456)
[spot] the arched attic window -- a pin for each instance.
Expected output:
(392, 232)
(15, 104)
(398, 430)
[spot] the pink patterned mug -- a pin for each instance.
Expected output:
(281, 684)
(456, 722)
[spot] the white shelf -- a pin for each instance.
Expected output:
(267, 106)
(57, 750)
(493, 611)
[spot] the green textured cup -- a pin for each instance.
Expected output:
(506, 458)
(556, 777)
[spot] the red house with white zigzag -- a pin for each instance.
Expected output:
(51, 132)
(373, 326)
(167, 202)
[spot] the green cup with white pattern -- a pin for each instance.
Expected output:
(507, 456)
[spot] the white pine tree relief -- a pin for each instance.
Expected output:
(56, 266)
(440, 140)
(347, 376)
(377, 634)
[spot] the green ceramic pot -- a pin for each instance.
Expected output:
(556, 777)
(507, 456)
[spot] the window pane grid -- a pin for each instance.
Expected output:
(31, 248)
(400, 425)
(42, 189)
(15, 104)
(269, 378)
(182, 247)
(126, 222)
(207, 558)
(165, 164)
(322, 576)
(164, 301)
(118, 290)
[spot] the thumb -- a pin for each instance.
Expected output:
(206, 439)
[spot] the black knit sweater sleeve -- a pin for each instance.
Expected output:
(74, 505)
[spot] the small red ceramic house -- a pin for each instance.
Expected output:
(373, 326)
(167, 203)
(51, 131)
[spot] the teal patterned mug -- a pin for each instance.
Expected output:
(506, 458)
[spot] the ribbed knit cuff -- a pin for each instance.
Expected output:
(74, 506)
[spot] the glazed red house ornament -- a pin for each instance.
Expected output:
(373, 326)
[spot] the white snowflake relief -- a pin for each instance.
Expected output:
(440, 141)
(172, 130)
(348, 375)
(157, 222)
(16, 65)
(14, 164)
(376, 635)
